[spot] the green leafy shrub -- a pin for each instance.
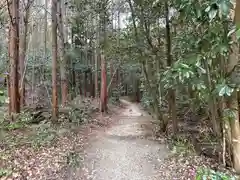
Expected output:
(209, 174)
(182, 146)
(5, 172)
(3, 97)
(45, 135)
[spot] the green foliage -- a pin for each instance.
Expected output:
(115, 94)
(5, 172)
(182, 146)
(74, 159)
(146, 100)
(44, 136)
(22, 120)
(3, 97)
(204, 174)
(224, 90)
(78, 115)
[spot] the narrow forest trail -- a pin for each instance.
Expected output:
(126, 151)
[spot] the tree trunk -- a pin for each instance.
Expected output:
(235, 131)
(103, 105)
(91, 84)
(22, 50)
(95, 51)
(14, 55)
(232, 102)
(85, 84)
(45, 37)
(96, 71)
(54, 62)
(171, 92)
(63, 65)
(112, 75)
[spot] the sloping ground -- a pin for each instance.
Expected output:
(44, 151)
(118, 146)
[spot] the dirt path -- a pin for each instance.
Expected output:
(126, 151)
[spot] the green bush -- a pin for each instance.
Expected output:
(209, 174)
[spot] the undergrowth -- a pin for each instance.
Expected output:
(209, 174)
(181, 146)
(5, 172)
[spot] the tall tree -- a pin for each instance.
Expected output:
(103, 19)
(171, 92)
(63, 58)
(25, 13)
(14, 55)
(54, 61)
(45, 34)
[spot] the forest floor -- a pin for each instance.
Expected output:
(120, 145)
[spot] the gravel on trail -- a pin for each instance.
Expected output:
(126, 151)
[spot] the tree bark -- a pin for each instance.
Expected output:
(54, 62)
(23, 49)
(103, 105)
(171, 92)
(63, 59)
(232, 102)
(14, 55)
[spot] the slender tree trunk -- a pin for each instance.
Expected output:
(85, 84)
(91, 83)
(8, 74)
(213, 105)
(63, 65)
(96, 72)
(96, 44)
(54, 62)
(45, 37)
(171, 92)
(14, 55)
(23, 49)
(104, 95)
(111, 76)
(118, 76)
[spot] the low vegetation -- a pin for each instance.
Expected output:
(180, 59)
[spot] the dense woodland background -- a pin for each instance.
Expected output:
(180, 59)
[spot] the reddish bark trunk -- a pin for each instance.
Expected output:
(111, 76)
(14, 55)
